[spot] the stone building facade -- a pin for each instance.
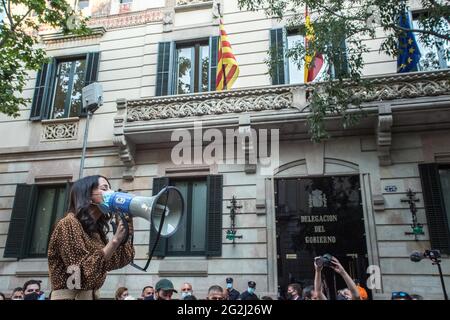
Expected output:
(356, 181)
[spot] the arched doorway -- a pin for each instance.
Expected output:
(315, 215)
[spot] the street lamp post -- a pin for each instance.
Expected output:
(83, 154)
(92, 100)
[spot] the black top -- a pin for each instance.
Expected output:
(248, 296)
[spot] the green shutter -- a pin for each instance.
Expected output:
(38, 97)
(340, 61)
(163, 69)
(40, 107)
(91, 72)
(20, 217)
(214, 215)
(435, 207)
(160, 250)
(277, 56)
(92, 62)
(213, 54)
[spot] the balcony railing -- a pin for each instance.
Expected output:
(412, 85)
(153, 120)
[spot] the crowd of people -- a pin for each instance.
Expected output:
(164, 290)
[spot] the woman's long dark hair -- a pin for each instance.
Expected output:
(81, 205)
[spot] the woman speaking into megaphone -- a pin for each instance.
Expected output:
(79, 253)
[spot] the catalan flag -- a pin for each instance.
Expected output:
(313, 63)
(227, 66)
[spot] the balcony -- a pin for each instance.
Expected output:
(396, 102)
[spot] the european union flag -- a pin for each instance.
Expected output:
(409, 53)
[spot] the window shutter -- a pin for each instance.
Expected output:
(67, 195)
(91, 72)
(92, 62)
(340, 62)
(40, 106)
(213, 55)
(277, 56)
(38, 97)
(214, 211)
(434, 207)
(163, 69)
(160, 250)
(20, 217)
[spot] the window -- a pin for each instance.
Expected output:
(436, 56)
(186, 67)
(49, 208)
(59, 86)
(296, 73)
(285, 70)
(200, 232)
(125, 6)
(435, 180)
(70, 77)
(35, 211)
(83, 4)
(444, 177)
(192, 65)
(190, 237)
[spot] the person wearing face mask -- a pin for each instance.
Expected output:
(79, 253)
(17, 294)
(249, 294)
(32, 290)
(186, 290)
(233, 294)
(294, 292)
(148, 293)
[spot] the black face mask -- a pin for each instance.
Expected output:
(32, 296)
(289, 295)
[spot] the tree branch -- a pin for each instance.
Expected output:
(8, 13)
(23, 18)
(433, 2)
(430, 32)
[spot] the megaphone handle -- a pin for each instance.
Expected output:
(127, 229)
(125, 224)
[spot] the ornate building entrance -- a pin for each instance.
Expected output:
(315, 216)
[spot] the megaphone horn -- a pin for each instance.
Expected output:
(168, 202)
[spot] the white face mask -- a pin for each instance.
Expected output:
(185, 294)
(229, 285)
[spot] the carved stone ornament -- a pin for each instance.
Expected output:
(59, 131)
(281, 97)
(256, 100)
(190, 2)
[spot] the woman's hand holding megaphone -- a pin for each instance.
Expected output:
(120, 234)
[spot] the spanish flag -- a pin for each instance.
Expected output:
(313, 63)
(227, 67)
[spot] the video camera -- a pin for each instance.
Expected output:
(324, 260)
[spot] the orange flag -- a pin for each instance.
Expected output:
(227, 66)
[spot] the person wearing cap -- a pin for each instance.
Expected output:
(249, 294)
(233, 294)
(164, 290)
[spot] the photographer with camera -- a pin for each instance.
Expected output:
(349, 293)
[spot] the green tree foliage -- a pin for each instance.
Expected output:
(19, 48)
(354, 21)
